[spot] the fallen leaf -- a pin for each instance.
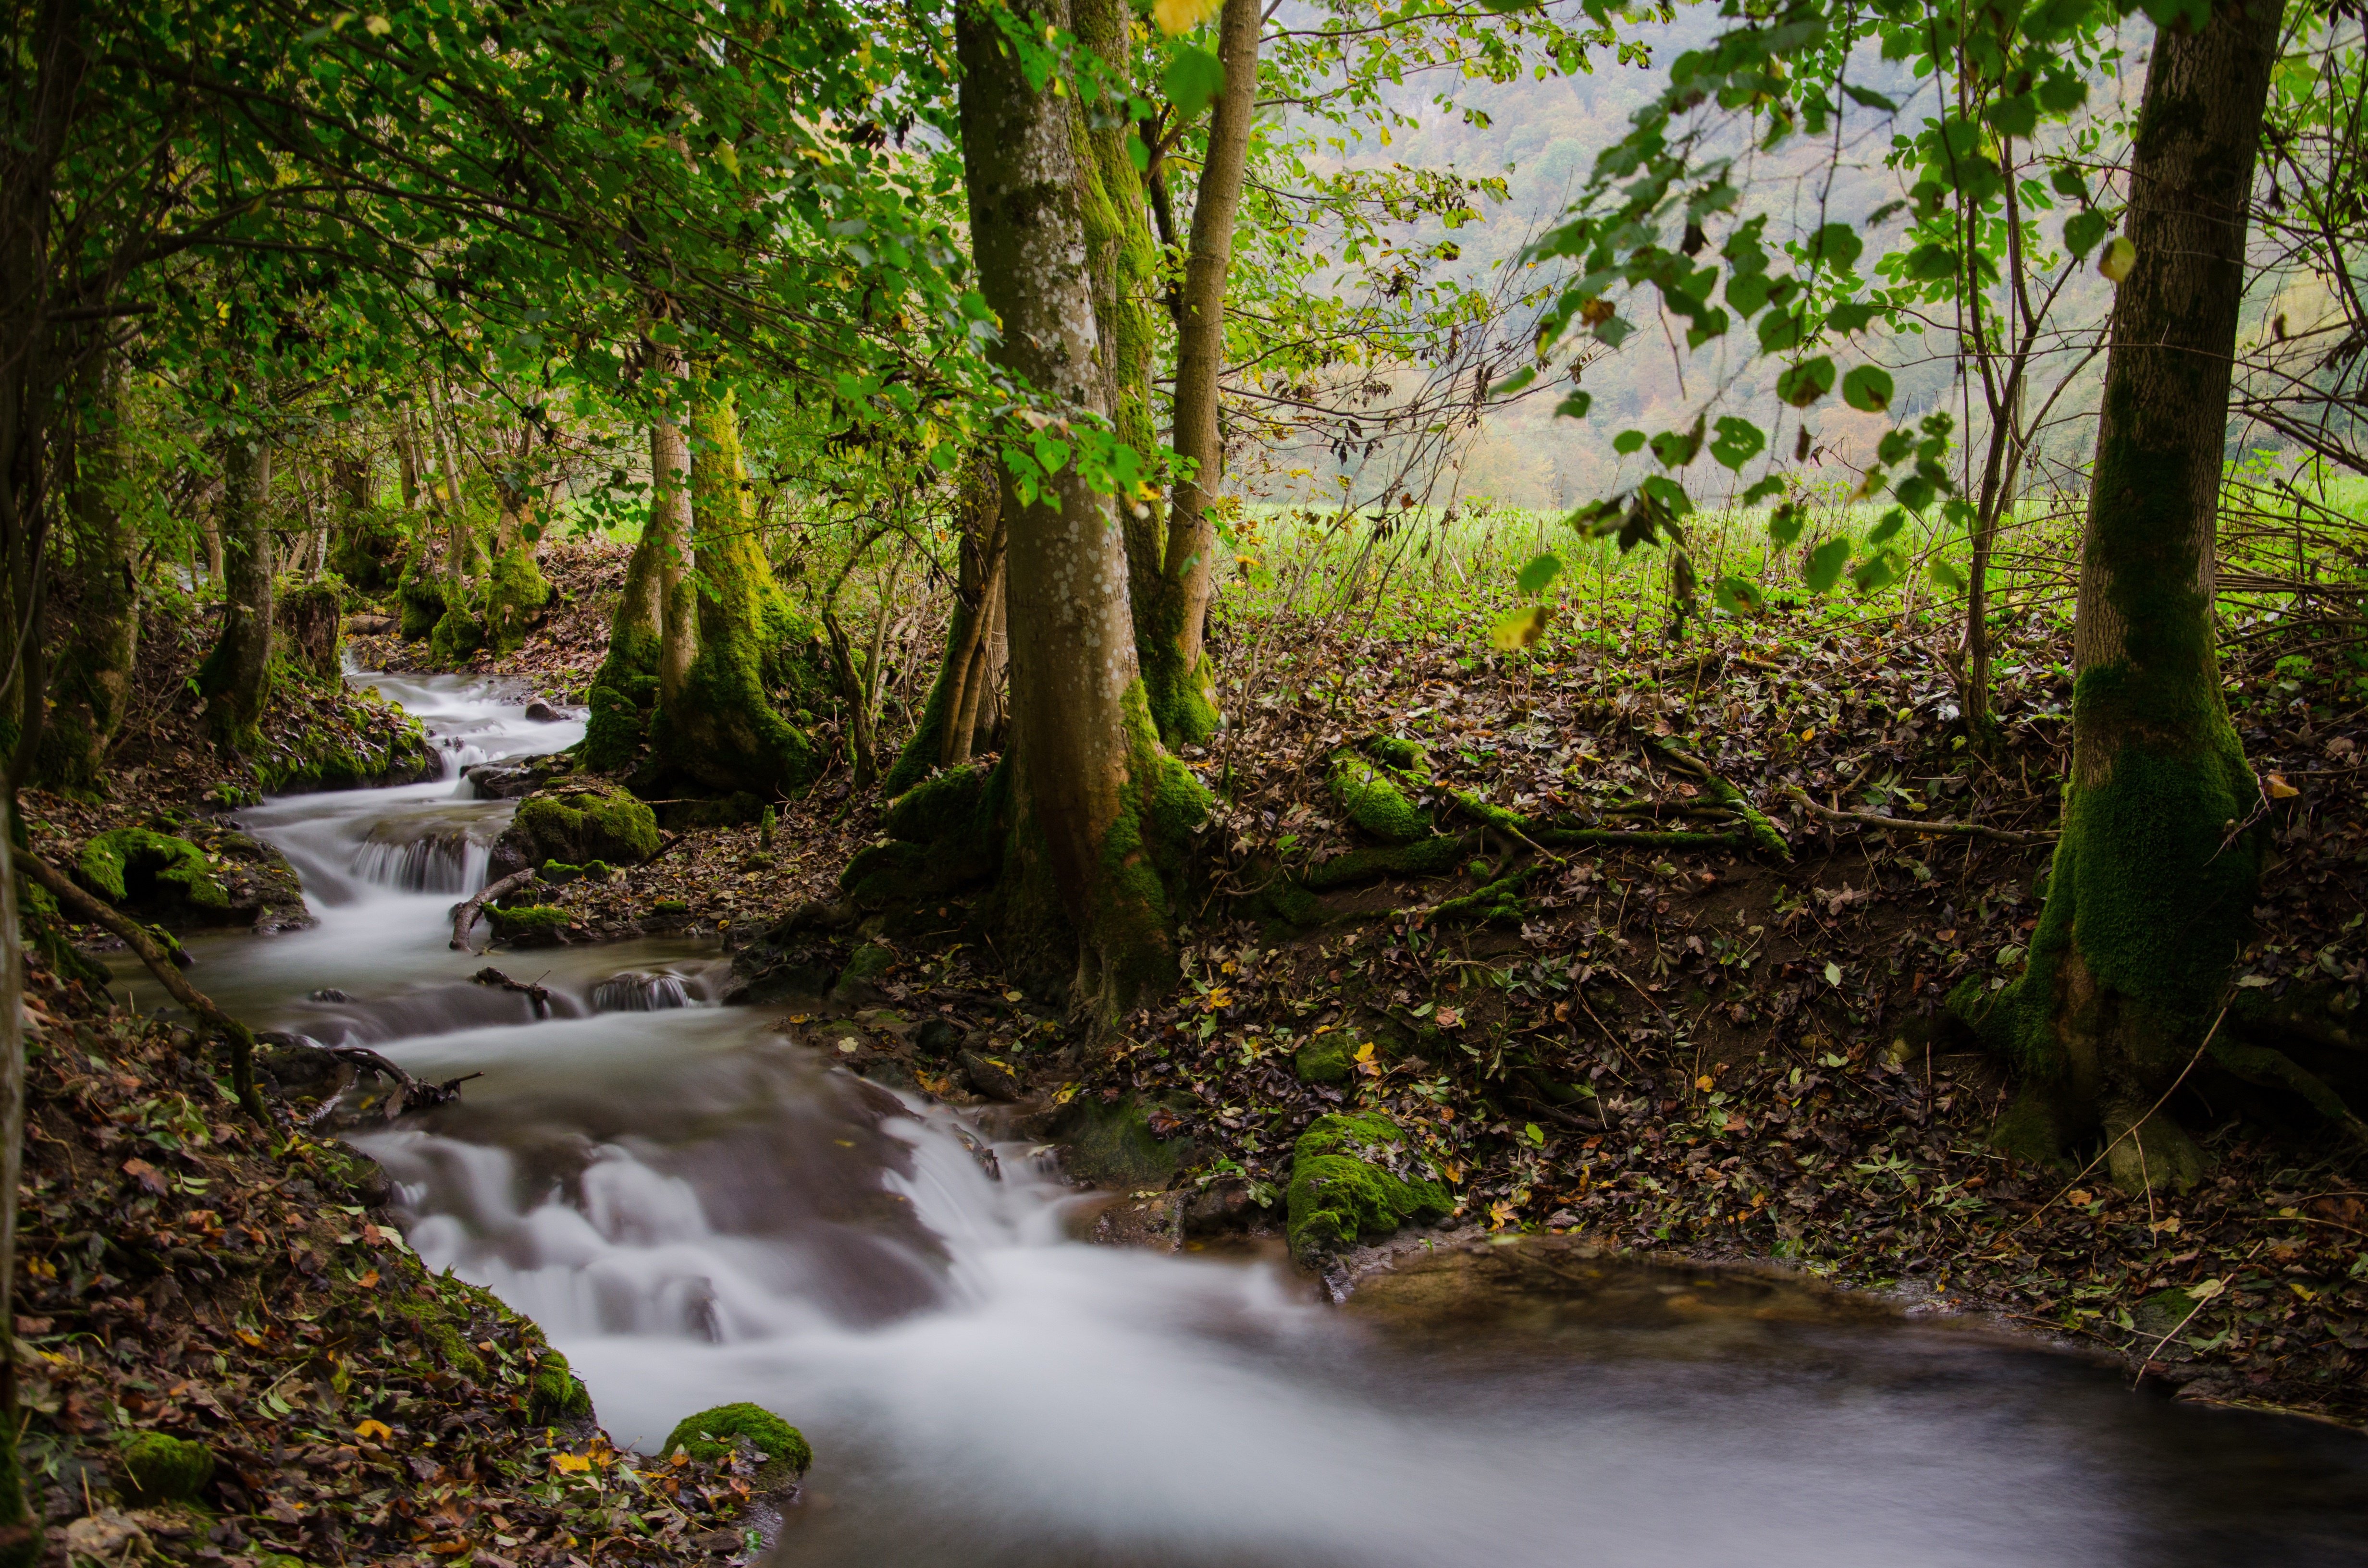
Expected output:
(1448, 1017)
(2279, 789)
(570, 1464)
(1705, 1084)
(376, 1431)
(146, 1175)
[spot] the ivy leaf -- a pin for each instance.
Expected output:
(1867, 388)
(1826, 564)
(1738, 441)
(2083, 230)
(1574, 406)
(1539, 573)
(1804, 384)
(1194, 77)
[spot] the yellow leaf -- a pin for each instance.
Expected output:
(2080, 1199)
(2280, 790)
(2206, 1290)
(1521, 628)
(1182, 16)
(379, 27)
(2117, 260)
(570, 1464)
(374, 1430)
(1704, 1083)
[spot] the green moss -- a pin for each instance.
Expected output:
(1481, 809)
(671, 906)
(612, 734)
(326, 760)
(1353, 1177)
(1371, 798)
(555, 1393)
(527, 920)
(158, 1469)
(1406, 756)
(458, 633)
(584, 821)
(940, 808)
(867, 964)
(1433, 857)
(1143, 854)
(1327, 1059)
(420, 595)
(515, 590)
(712, 1434)
(134, 863)
(1110, 1144)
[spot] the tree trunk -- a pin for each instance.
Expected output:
(1098, 809)
(671, 522)
(92, 686)
(626, 690)
(20, 1537)
(2153, 881)
(1183, 688)
(942, 740)
(515, 587)
(718, 727)
(235, 679)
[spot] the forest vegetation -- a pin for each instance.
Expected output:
(1730, 628)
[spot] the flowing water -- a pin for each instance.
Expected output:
(699, 1210)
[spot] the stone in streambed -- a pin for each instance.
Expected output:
(988, 1077)
(1355, 1176)
(711, 1435)
(575, 823)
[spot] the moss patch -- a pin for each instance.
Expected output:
(1353, 1177)
(158, 1469)
(136, 866)
(580, 823)
(555, 1394)
(1371, 798)
(1327, 1059)
(711, 1434)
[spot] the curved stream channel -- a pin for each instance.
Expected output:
(699, 1210)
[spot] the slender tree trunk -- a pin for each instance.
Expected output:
(459, 546)
(1098, 807)
(93, 683)
(626, 690)
(940, 741)
(235, 679)
(1187, 710)
(717, 727)
(515, 587)
(670, 521)
(20, 1537)
(2153, 879)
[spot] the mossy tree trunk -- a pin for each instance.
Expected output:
(670, 523)
(515, 587)
(92, 686)
(1095, 805)
(2152, 880)
(965, 698)
(1185, 698)
(718, 727)
(235, 679)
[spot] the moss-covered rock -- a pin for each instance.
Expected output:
(139, 868)
(1406, 756)
(530, 926)
(1371, 798)
(712, 1434)
(859, 980)
(554, 1395)
(1110, 1143)
(1354, 1177)
(578, 821)
(940, 808)
(391, 749)
(159, 1469)
(458, 632)
(516, 592)
(1327, 1059)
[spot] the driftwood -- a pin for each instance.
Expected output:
(534, 991)
(466, 914)
(1932, 829)
(97, 912)
(410, 1093)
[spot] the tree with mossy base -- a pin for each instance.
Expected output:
(235, 679)
(2152, 885)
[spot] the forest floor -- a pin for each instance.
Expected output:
(1753, 1040)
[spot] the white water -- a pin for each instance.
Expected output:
(699, 1210)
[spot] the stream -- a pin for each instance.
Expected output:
(698, 1209)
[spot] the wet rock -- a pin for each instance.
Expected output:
(1111, 1143)
(988, 1077)
(542, 713)
(300, 1070)
(328, 993)
(860, 981)
(1225, 1208)
(516, 779)
(781, 1449)
(575, 823)
(884, 1020)
(1153, 1221)
(1355, 1176)
(200, 875)
(106, 1537)
(534, 925)
(938, 1037)
(1327, 1059)
(795, 960)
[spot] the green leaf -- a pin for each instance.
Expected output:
(1612, 332)
(1574, 406)
(1867, 388)
(1539, 573)
(1947, 576)
(1895, 447)
(1521, 628)
(1875, 572)
(2066, 180)
(1628, 441)
(1784, 524)
(1915, 492)
(1849, 316)
(2083, 230)
(1515, 382)
(1893, 521)
(1868, 98)
(2062, 93)
(1193, 78)
(1737, 442)
(1826, 564)
(1137, 154)
(1780, 330)
(1838, 243)
(1766, 488)
(1675, 448)
(1804, 384)
(2017, 115)
(1737, 596)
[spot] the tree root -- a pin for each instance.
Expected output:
(537, 994)
(1760, 831)
(2271, 1068)
(1635, 838)
(1930, 829)
(465, 916)
(1499, 899)
(1423, 858)
(160, 964)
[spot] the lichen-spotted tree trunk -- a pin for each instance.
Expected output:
(970, 675)
(235, 679)
(670, 523)
(1096, 806)
(2153, 881)
(515, 587)
(92, 682)
(1185, 698)
(718, 727)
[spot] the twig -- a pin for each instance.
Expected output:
(1934, 829)
(161, 965)
(466, 914)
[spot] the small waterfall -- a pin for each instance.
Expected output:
(638, 991)
(437, 863)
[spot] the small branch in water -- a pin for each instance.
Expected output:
(466, 914)
(533, 991)
(411, 1094)
(160, 964)
(1934, 829)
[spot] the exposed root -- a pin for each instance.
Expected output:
(1930, 829)
(2271, 1068)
